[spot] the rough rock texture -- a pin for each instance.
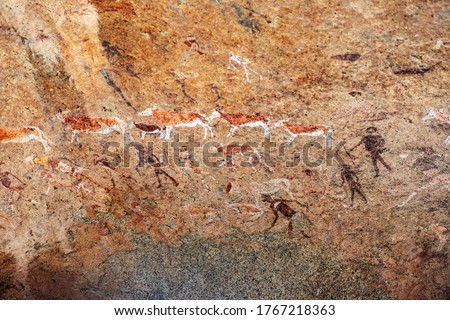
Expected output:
(73, 226)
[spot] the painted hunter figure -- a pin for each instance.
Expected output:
(349, 175)
(374, 144)
(279, 206)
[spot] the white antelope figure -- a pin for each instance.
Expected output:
(310, 130)
(439, 115)
(239, 120)
(22, 135)
(172, 119)
(244, 63)
(83, 123)
(271, 187)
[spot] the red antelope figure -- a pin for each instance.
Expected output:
(148, 129)
(172, 119)
(83, 123)
(238, 120)
(22, 135)
(311, 130)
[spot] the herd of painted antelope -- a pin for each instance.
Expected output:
(171, 119)
(168, 120)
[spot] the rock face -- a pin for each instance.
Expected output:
(104, 214)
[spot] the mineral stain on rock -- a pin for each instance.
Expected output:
(347, 57)
(8, 268)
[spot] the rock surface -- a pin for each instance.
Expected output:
(80, 221)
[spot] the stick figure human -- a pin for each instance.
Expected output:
(349, 175)
(374, 144)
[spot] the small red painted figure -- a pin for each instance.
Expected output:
(148, 158)
(192, 43)
(5, 180)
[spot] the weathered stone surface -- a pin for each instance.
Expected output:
(72, 227)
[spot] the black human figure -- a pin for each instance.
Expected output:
(348, 175)
(374, 144)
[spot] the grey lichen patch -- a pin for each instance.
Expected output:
(261, 267)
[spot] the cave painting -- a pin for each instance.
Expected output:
(441, 116)
(239, 120)
(84, 124)
(172, 119)
(349, 175)
(23, 135)
(297, 129)
(280, 206)
(242, 62)
(374, 144)
(12, 184)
